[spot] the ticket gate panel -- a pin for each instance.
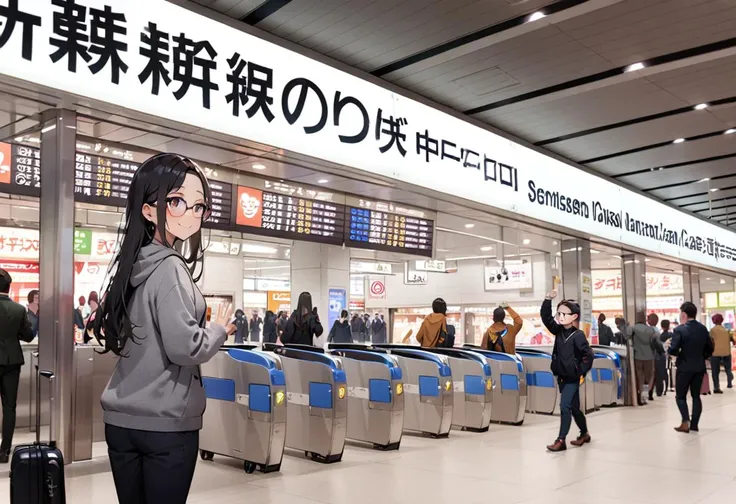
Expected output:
(542, 391)
(509, 387)
(375, 397)
(606, 379)
(472, 387)
(316, 403)
(245, 416)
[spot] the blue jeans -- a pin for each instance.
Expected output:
(570, 408)
(715, 369)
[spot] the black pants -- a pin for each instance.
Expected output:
(152, 467)
(570, 408)
(9, 379)
(689, 381)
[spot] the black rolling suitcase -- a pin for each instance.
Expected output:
(37, 470)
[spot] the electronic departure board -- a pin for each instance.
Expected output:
(20, 169)
(222, 205)
(389, 231)
(289, 216)
(102, 180)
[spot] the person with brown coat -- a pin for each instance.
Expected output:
(500, 336)
(433, 332)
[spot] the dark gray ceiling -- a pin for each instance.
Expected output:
(559, 81)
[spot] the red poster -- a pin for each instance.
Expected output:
(4, 163)
(250, 207)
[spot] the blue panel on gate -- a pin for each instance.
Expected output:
(509, 382)
(475, 385)
(259, 398)
(277, 377)
(395, 373)
(605, 374)
(530, 381)
(320, 395)
(429, 386)
(544, 379)
(379, 390)
(594, 375)
(219, 388)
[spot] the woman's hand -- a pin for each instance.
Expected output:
(552, 294)
(224, 316)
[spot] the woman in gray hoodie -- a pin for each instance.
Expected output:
(153, 317)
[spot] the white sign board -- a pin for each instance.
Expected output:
(371, 267)
(376, 288)
(170, 62)
(430, 265)
(608, 283)
(511, 275)
(414, 277)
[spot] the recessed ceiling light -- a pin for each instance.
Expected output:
(526, 241)
(322, 181)
(678, 140)
(723, 281)
(634, 67)
(594, 251)
(469, 226)
(536, 16)
(708, 278)
(259, 166)
(647, 260)
(730, 131)
(714, 189)
(701, 106)
(486, 249)
(702, 180)
(554, 243)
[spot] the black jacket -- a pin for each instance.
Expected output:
(14, 327)
(691, 344)
(357, 326)
(340, 333)
(378, 328)
(605, 335)
(269, 330)
(304, 334)
(572, 356)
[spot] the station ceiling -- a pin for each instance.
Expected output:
(639, 90)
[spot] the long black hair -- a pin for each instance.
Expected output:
(303, 308)
(151, 184)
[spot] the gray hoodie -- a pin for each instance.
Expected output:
(157, 385)
(642, 341)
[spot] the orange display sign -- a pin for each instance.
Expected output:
(4, 163)
(249, 207)
(279, 301)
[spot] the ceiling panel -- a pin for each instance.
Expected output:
(697, 188)
(682, 174)
(670, 154)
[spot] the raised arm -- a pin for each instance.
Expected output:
(546, 313)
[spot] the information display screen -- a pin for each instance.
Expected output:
(222, 205)
(289, 216)
(20, 169)
(389, 231)
(101, 180)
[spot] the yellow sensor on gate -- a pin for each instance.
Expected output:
(341, 392)
(280, 397)
(448, 385)
(399, 388)
(489, 384)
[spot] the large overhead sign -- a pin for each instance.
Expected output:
(162, 59)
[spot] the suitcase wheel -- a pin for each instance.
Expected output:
(206, 455)
(249, 467)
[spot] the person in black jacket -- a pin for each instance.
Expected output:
(572, 358)
(605, 333)
(692, 345)
(303, 325)
(269, 328)
(341, 332)
(14, 327)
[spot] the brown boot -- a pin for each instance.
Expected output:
(684, 427)
(581, 440)
(557, 446)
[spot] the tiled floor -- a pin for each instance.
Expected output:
(635, 458)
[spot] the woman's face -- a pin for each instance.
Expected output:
(186, 209)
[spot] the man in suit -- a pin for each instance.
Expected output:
(692, 345)
(14, 326)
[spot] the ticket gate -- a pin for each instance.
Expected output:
(375, 396)
(316, 401)
(429, 395)
(541, 385)
(510, 390)
(473, 388)
(608, 376)
(245, 416)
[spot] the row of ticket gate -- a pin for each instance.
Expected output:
(311, 400)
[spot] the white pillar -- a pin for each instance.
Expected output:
(316, 268)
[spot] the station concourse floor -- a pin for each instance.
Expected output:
(635, 457)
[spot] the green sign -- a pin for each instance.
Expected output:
(83, 241)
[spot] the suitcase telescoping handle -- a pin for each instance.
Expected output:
(50, 375)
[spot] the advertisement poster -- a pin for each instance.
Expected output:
(279, 301)
(508, 276)
(377, 288)
(250, 207)
(337, 303)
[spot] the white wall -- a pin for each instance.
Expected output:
(464, 287)
(223, 275)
